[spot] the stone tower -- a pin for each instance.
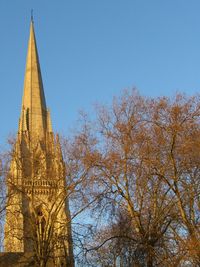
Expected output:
(37, 213)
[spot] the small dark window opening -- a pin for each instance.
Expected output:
(27, 119)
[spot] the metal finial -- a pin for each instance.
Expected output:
(31, 15)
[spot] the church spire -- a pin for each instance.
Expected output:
(34, 111)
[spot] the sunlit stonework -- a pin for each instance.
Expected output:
(37, 214)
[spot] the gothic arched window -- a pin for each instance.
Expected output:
(40, 220)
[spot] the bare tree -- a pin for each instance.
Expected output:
(175, 140)
(143, 157)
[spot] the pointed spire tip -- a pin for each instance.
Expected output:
(32, 15)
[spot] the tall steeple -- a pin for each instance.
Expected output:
(34, 116)
(37, 211)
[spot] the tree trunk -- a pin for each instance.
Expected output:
(149, 258)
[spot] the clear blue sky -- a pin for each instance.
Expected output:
(90, 50)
